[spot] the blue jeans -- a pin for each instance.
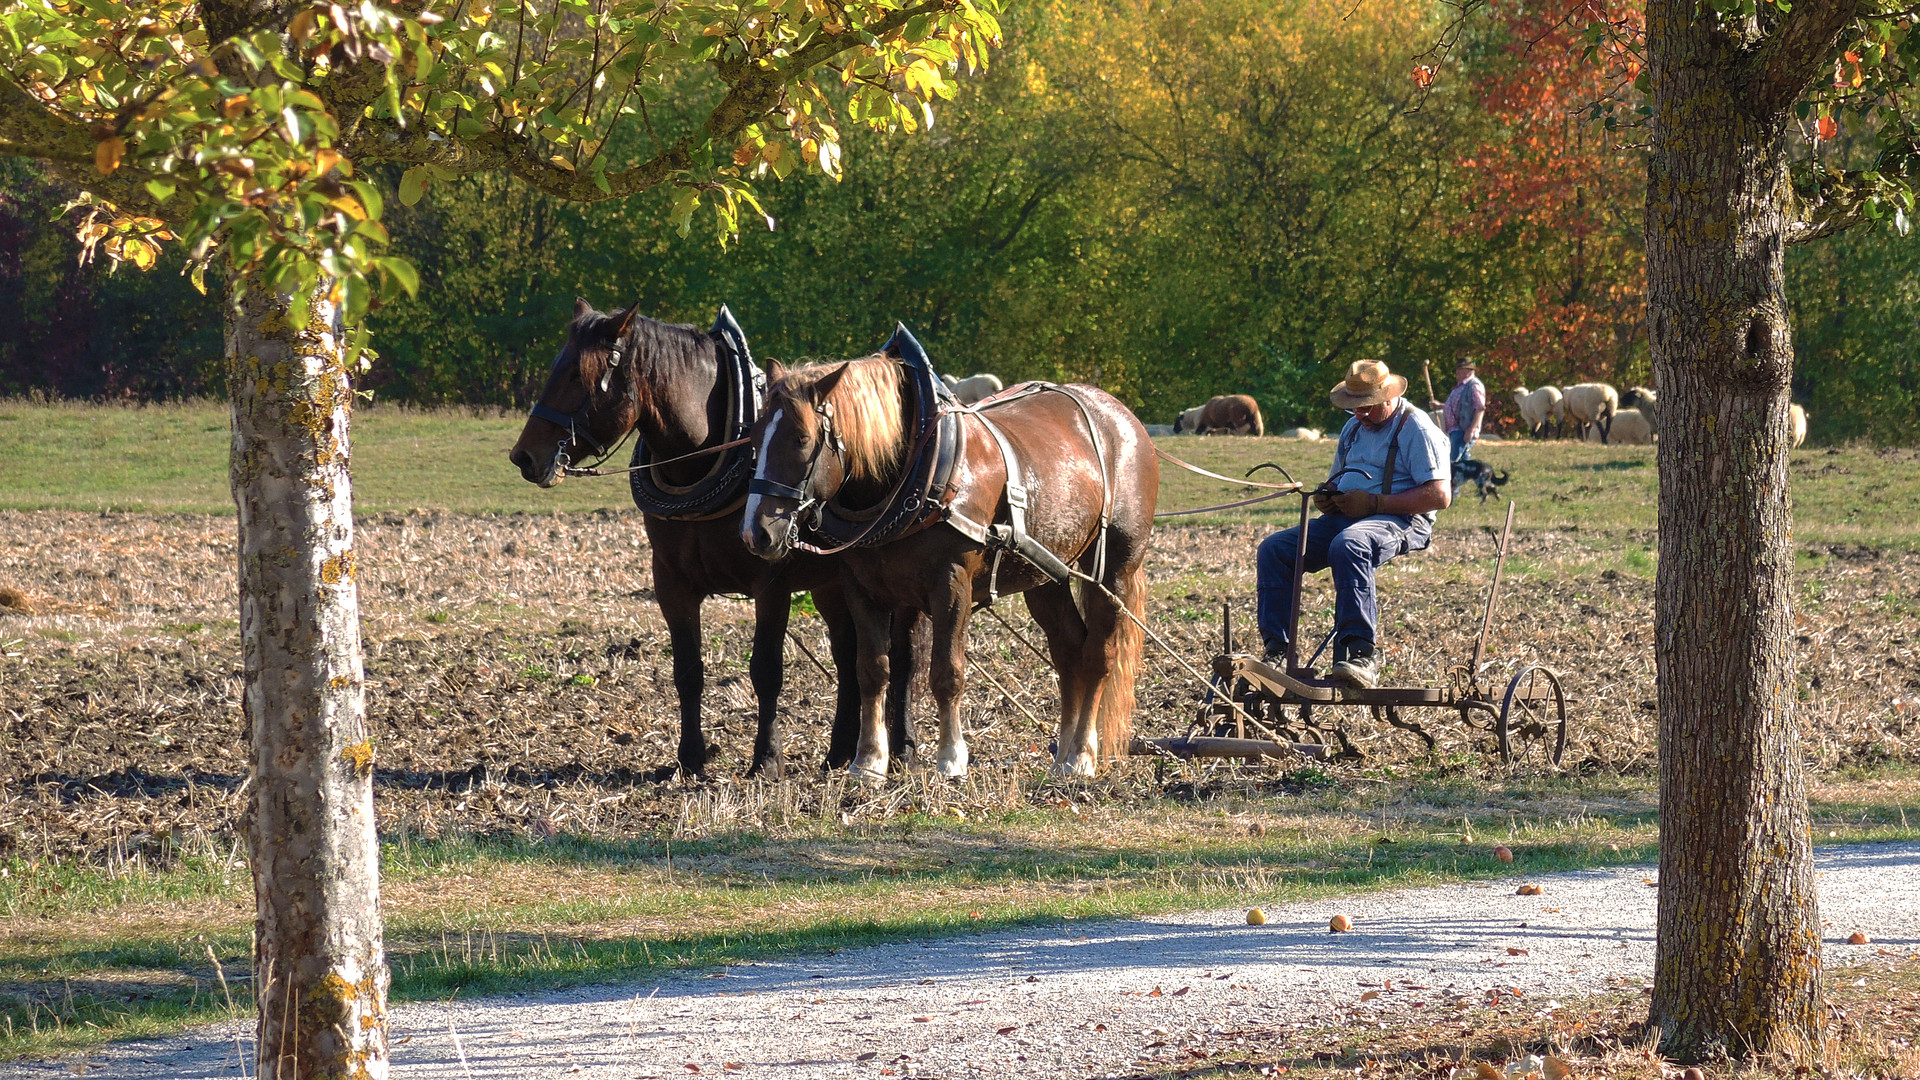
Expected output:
(1460, 444)
(1354, 548)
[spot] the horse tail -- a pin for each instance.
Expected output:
(1113, 722)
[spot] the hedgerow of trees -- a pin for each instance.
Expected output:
(1276, 190)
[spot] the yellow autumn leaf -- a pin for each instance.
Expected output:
(745, 154)
(139, 252)
(561, 162)
(107, 154)
(349, 206)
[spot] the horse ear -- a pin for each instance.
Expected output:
(580, 307)
(823, 388)
(627, 319)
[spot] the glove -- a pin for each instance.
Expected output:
(1355, 504)
(1323, 501)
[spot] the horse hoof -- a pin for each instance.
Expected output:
(952, 765)
(1078, 766)
(872, 778)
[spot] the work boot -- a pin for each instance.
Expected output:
(1357, 670)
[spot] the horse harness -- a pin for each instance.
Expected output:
(926, 492)
(722, 489)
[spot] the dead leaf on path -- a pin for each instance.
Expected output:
(1155, 992)
(1859, 937)
(1181, 991)
(1527, 890)
(868, 1056)
(1099, 1027)
(1558, 1070)
(1007, 1030)
(1484, 1071)
(975, 1001)
(692, 1068)
(1369, 995)
(1511, 951)
(923, 1019)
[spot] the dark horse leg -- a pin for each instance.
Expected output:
(768, 669)
(842, 643)
(681, 609)
(909, 655)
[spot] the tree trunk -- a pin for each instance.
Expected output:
(1738, 960)
(319, 965)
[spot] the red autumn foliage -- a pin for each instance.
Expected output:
(1564, 191)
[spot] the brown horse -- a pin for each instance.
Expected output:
(685, 391)
(839, 433)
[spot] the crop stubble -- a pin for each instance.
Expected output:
(518, 678)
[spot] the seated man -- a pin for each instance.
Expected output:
(1371, 519)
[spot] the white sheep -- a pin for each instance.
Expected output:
(1541, 409)
(1592, 405)
(973, 388)
(1303, 434)
(1797, 421)
(1629, 427)
(1188, 423)
(1647, 402)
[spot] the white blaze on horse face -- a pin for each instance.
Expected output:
(750, 516)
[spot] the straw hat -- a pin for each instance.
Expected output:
(1368, 382)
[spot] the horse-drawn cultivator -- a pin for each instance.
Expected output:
(1279, 707)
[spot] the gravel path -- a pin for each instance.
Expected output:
(1080, 999)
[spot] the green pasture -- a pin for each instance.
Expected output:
(173, 459)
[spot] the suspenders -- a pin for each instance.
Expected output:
(1393, 448)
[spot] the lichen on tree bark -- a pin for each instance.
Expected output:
(320, 966)
(1738, 961)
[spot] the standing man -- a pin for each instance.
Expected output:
(1390, 474)
(1466, 407)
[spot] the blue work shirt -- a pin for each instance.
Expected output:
(1423, 453)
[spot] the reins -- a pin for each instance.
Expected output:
(1291, 487)
(702, 452)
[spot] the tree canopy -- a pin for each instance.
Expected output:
(1069, 216)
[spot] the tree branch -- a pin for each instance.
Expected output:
(754, 92)
(1838, 205)
(1780, 69)
(29, 129)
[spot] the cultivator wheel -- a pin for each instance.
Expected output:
(1534, 711)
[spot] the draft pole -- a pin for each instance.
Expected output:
(1486, 623)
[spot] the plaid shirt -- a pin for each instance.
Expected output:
(1468, 400)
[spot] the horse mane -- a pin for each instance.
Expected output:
(648, 340)
(868, 412)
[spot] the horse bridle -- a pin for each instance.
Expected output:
(806, 502)
(576, 421)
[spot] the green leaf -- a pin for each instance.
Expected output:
(413, 184)
(683, 207)
(161, 190)
(369, 197)
(469, 128)
(402, 271)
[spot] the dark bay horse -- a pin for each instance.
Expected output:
(681, 388)
(841, 431)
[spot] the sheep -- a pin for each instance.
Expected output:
(1542, 409)
(1233, 414)
(974, 388)
(1797, 421)
(1303, 434)
(1647, 402)
(1629, 427)
(1591, 405)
